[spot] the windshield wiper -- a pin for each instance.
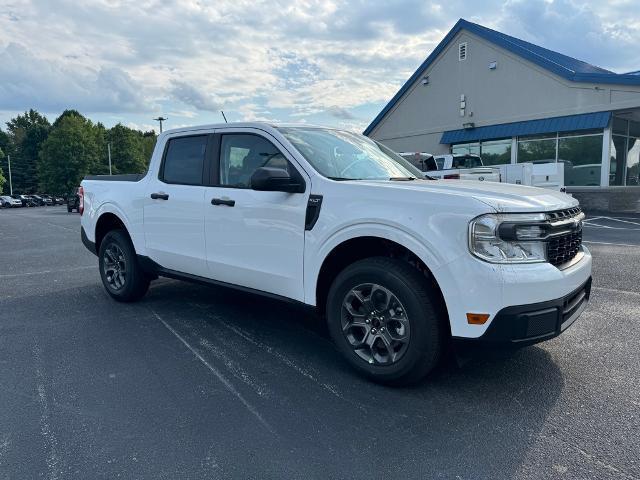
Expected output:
(402, 179)
(342, 179)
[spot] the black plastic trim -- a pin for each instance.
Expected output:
(522, 325)
(91, 246)
(314, 204)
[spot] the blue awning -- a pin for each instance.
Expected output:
(586, 121)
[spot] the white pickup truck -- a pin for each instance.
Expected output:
(449, 166)
(401, 266)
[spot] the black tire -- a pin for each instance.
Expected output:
(132, 283)
(426, 329)
(69, 209)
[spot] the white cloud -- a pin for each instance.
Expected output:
(27, 81)
(195, 97)
(267, 59)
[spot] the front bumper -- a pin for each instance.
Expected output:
(523, 325)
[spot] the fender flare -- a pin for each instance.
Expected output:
(395, 233)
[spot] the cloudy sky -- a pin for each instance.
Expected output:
(334, 62)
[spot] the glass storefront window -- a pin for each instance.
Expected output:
(633, 161)
(466, 148)
(582, 158)
(537, 151)
(496, 152)
(617, 161)
(634, 129)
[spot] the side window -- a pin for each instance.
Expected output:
(243, 154)
(440, 163)
(431, 165)
(184, 160)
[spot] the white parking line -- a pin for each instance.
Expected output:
(217, 373)
(609, 243)
(615, 290)
(43, 272)
(621, 220)
(595, 225)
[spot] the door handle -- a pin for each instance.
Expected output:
(223, 201)
(160, 196)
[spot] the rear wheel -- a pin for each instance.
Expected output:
(121, 274)
(382, 315)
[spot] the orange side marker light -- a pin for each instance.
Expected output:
(477, 318)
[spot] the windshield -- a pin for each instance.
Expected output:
(341, 155)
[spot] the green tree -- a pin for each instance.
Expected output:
(27, 133)
(69, 153)
(2, 179)
(148, 144)
(127, 150)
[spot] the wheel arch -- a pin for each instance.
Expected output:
(360, 247)
(108, 221)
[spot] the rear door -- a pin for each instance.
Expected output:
(173, 206)
(255, 239)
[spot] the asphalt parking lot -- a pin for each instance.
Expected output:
(200, 382)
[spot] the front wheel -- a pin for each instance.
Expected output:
(121, 274)
(383, 316)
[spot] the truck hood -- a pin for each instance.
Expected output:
(502, 197)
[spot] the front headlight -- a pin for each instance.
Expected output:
(508, 238)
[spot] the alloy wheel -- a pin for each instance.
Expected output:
(375, 324)
(115, 266)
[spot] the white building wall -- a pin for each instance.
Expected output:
(516, 90)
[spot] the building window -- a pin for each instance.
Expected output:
(625, 152)
(466, 148)
(633, 161)
(580, 152)
(582, 157)
(496, 152)
(618, 157)
(537, 150)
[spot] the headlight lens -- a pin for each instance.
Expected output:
(508, 238)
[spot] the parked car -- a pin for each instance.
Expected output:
(401, 266)
(60, 200)
(47, 200)
(73, 202)
(25, 200)
(8, 202)
(38, 200)
(459, 167)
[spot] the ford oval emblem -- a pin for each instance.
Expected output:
(481, 178)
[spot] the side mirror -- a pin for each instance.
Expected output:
(268, 179)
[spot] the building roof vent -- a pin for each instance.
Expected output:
(462, 51)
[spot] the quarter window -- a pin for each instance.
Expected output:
(242, 154)
(184, 160)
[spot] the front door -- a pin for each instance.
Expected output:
(254, 238)
(173, 207)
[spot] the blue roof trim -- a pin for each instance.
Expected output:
(570, 123)
(567, 67)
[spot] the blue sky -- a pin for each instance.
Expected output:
(324, 62)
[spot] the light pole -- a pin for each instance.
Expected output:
(160, 119)
(109, 152)
(10, 183)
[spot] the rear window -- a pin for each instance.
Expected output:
(184, 160)
(466, 161)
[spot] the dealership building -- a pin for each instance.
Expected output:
(483, 92)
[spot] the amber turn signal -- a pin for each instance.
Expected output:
(477, 318)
